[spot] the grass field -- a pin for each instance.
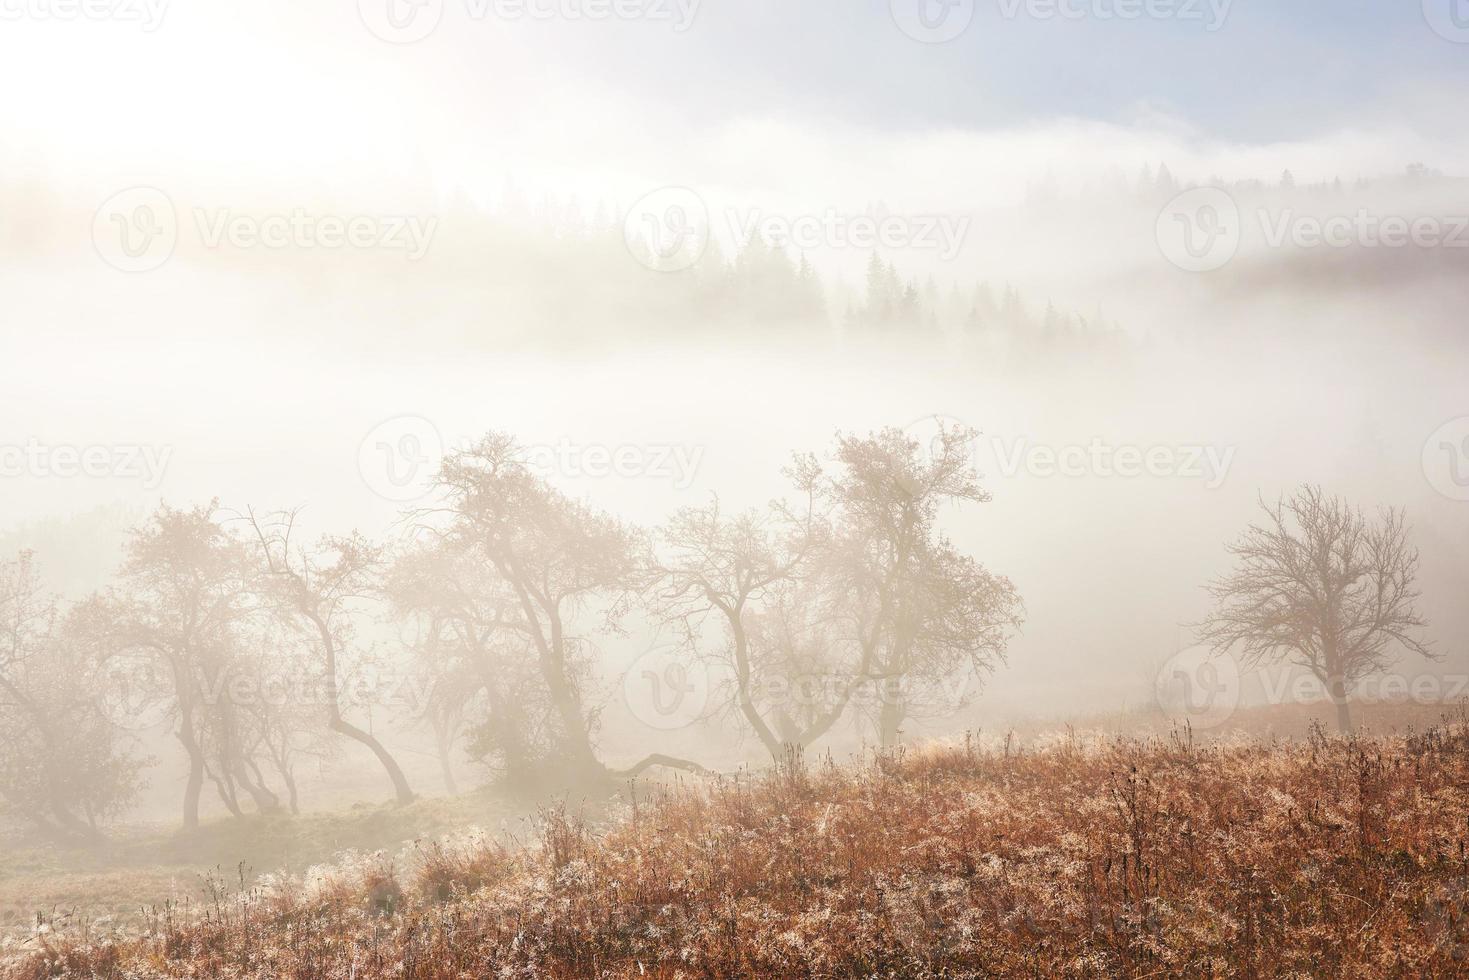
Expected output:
(1088, 856)
(117, 882)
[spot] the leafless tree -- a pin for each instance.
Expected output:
(753, 575)
(1320, 586)
(320, 590)
(853, 591)
(183, 594)
(464, 627)
(560, 561)
(922, 614)
(62, 763)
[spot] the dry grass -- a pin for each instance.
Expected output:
(1327, 857)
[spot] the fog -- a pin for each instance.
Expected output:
(1029, 269)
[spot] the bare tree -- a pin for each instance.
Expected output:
(855, 591)
(923, 615)
(62, 763)
(1319, 586)
(183, 594)
(318, 590)
(754, 575)
(464, 628)
(560, 561)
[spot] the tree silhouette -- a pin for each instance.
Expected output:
(1320, 586)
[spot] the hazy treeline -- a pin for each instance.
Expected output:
(244, 640)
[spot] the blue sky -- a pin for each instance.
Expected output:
(769, 93)
(1273, 70)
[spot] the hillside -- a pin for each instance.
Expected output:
(1324, 857)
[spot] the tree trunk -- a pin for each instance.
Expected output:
(890, 720)
(265, 798)
(567, 701)
(1338, 690)
(195, 785)
(289, 778)
(341, 725)
(444, 741)
(226, 790)
(395, 773)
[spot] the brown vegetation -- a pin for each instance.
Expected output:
(1326, 857)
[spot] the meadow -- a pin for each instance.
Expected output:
(1081, 855)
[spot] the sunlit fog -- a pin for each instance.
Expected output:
(809, 466)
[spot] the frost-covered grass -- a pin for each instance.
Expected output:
(115, 883)
(1324, 857)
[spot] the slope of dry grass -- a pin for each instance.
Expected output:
(1328, 857)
